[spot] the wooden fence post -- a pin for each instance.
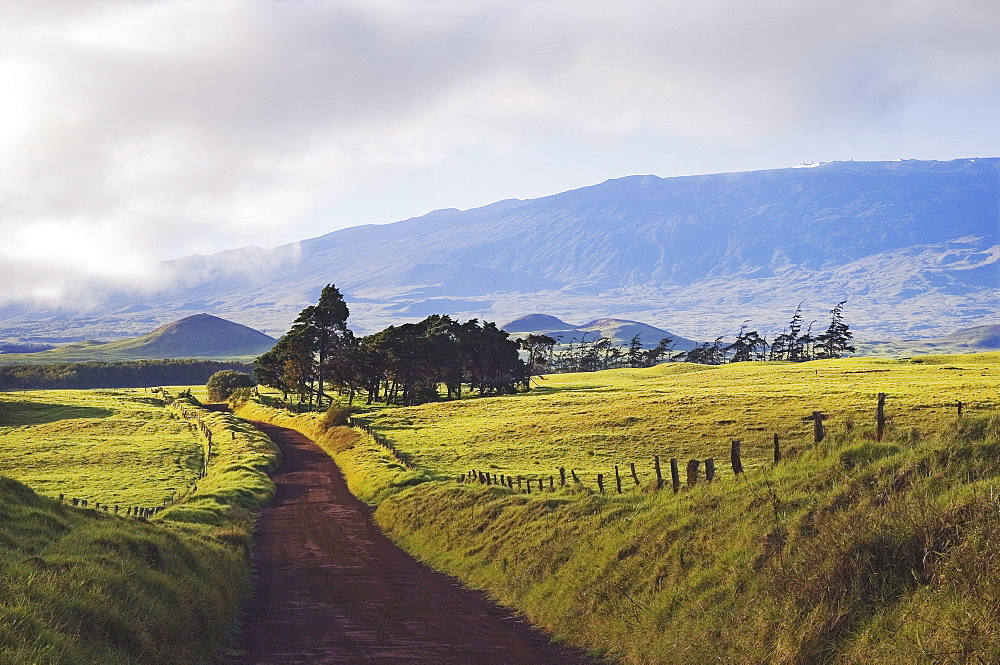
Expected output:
(659, 474)
(519, 479)
(675, 475)
(635, 476)
(528, 485)
(600, 482)
(880, 417)
(734, 457)
(573, 473)
(710, 469)
(552, 483)
(618, 480)
(562, 477)
(692, 471)
(777, 450)
(818, 430)
(959, 409)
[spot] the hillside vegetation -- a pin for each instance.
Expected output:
(848, 550)
(92, 586)
(591, 421)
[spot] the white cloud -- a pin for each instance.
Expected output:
(155, 129)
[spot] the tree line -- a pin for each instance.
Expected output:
(546, 355)
(122, 374)
(402, 364)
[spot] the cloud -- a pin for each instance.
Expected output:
(134, 131)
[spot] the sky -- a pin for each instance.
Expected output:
(135, 131)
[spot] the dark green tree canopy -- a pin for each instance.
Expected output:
(222, 384)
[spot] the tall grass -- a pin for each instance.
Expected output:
(81, 586)
(854, 552)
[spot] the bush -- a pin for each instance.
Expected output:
(222, 384)
(337, 416)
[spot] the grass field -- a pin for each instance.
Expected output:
(116, 447)
(848, 551)
(592, 421)
(87, 586)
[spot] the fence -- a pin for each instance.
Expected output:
(194, 417)
(693, 466)
(388, 445)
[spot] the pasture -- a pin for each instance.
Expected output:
(591, 421)
(115, 447)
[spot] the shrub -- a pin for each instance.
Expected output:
(222, 384)
(337, 416)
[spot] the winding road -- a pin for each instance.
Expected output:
(330, 588)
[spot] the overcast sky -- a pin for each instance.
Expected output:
(135, 131)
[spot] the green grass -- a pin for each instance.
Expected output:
(116, 447)
(853, 552)
(82, 586)
(848, 551)
(592, 421)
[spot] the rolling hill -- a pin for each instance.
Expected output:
(197, 336)
(913, 246)
(619, 331)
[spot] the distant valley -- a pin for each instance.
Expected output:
(913, 246)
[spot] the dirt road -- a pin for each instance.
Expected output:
(331, 588)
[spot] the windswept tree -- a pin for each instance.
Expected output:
(747, 346)
(539, 350)
(706, 354)
(837, 339)
(656, 354)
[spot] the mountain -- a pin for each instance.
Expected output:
(913, 246)
(197, 336)
(536, 323)
(619, 331)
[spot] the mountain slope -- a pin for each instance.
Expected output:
(913, 246)
(197, 336)
(619, 331)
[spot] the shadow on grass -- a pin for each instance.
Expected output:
(40, 413)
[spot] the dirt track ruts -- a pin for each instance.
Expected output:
(331, 588)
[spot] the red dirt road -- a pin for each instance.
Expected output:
(331, 588)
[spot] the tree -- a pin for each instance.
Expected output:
(323, 328)
(222, 384)
(539, 349)
(634, 355)
(747, 346)
(654, 355)
(837, 338)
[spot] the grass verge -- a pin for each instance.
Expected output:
(82, 586)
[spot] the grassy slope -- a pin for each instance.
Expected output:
(848, 551)
(116, 447)
(590, 422)
(80, 586)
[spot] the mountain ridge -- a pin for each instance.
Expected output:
(913, 246)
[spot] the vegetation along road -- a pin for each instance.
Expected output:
(332, 589)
